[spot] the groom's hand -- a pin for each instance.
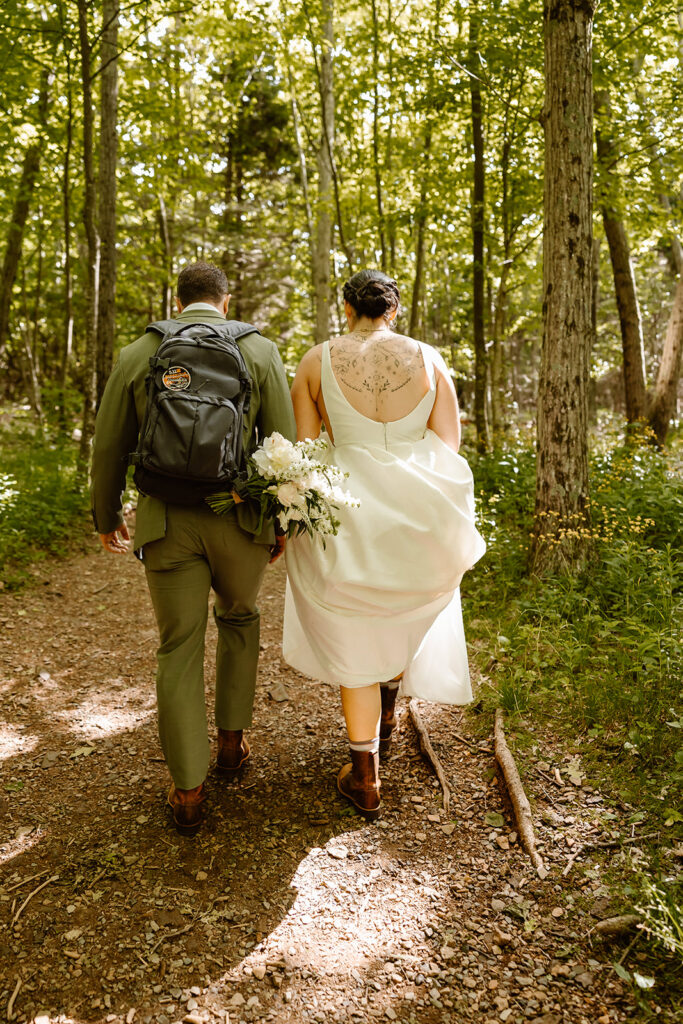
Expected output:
(117, 545)
(277, 548)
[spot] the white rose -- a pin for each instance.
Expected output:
(288, 494)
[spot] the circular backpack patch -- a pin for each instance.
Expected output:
(176, 378)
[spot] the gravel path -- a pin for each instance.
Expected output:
(287, 907)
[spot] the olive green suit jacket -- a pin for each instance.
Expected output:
(122, 410)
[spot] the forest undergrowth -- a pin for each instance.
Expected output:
(595, 658)
(43, 497)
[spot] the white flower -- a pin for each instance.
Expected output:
(289, 494)
(277, 456)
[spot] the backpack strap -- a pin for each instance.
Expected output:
(234, 328)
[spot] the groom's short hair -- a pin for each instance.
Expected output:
(198, 281)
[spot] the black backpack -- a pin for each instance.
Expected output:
(198, 391)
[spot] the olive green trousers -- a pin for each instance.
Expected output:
(201, 551)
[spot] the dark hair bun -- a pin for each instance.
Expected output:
(372, 293)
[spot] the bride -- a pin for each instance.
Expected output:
(378, 607)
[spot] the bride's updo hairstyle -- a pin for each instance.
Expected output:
(372, 294)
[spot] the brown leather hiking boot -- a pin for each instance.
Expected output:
(387, 722)
(233, 752)
(359, 783)
(188, 812)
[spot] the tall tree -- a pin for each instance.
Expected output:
(91, 235)
(324, 222)
(562, 494)
(22, 201)
(109, 86)
(635, 388)
(375, 134)
(478, 225)
(665, 394)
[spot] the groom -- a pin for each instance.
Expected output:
(187, 550)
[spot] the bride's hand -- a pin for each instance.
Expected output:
(277, 548)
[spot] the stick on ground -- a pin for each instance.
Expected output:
(617, 927)
(428, 751)
(30, 896)
(15, 993)
(518, 797)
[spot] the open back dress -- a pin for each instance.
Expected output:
(382, 596)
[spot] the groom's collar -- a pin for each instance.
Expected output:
(203, 307)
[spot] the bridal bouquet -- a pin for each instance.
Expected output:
(291, 485)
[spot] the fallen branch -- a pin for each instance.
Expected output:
(617, 927)
(518, 798)
(25, 881)
(428, 751)
(15, 993)
(479, 749)
(30, 897)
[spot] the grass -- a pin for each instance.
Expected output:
(599, 651)
(43, 499)
(595, 657)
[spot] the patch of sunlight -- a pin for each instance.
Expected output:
(348, 914)
(103, 714)
(13, 741)
(25, 839)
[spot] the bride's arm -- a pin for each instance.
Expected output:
(305, 392)
(445, 417)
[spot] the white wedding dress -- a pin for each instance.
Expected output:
(382, 598)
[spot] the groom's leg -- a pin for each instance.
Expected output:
(237, 565)
(179, 581)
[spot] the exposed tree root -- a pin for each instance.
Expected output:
(428, 751)
(518, 797)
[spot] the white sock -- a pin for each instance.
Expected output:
(370, 746)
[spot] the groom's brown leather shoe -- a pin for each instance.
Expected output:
(188, 812)
(233, 752)
(359, 783)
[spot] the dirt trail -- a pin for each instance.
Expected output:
(287, 907)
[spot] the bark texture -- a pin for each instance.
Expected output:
(92, 238)
(20, 210)
(109, 87)
(562, 494)
(633, 348)
(665, 396)
(325, 204)
(478, 223)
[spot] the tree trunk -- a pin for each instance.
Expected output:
(665, 395)
(303, 171)
(478, 223)
(325, 201)
(26, 349)
(92, 240)
(67, 338)
(375, 135)
(167, 251)
(388, 156)
(635, 387)
(107, 188)
(423, 208)
(420, 237)
(562, 495)
(497, 364)
(17, 224)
